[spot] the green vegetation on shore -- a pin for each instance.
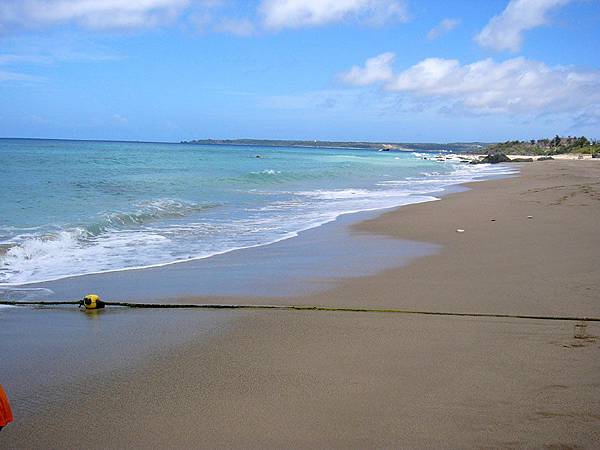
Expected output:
(555, 146)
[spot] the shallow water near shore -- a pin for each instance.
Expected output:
(70, 208)
(305, 264)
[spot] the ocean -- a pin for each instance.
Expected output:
(70, 208)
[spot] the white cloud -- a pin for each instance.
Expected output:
(97, 14)
(216, 15)
(518, 85)
(378, 68)
(443, 27)
(279, 14)
(505, 31)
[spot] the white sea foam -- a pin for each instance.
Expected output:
(343, 194)
(166, 231)
(267, 172)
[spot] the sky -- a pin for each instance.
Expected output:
(376, 70)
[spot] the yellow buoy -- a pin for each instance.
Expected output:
(92, 301)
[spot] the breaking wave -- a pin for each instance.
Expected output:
(168, 230)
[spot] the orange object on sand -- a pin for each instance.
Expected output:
(5, 412)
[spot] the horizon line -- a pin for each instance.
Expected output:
(137, 141)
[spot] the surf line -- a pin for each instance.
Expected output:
(302, 308)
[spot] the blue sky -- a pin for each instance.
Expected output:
(382, 70)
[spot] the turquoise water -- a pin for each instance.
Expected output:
(79, 207)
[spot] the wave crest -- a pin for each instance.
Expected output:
(147, 212)
(36, 256)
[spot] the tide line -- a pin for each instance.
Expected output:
(304, 308)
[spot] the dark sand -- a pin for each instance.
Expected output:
(362, 380)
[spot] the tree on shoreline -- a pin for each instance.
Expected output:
(555, 146)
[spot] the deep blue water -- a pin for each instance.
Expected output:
(79, 207)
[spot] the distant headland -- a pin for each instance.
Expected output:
(456, 147)
(545, 146)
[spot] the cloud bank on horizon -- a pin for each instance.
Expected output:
(461, 75)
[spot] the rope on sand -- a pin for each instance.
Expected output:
(303, 308)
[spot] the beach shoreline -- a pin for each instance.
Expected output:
(260, 268)
(302, 379)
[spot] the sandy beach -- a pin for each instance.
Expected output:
(274, 379)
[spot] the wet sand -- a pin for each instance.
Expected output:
(504, 262)
(278, 269)
(330, 379)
